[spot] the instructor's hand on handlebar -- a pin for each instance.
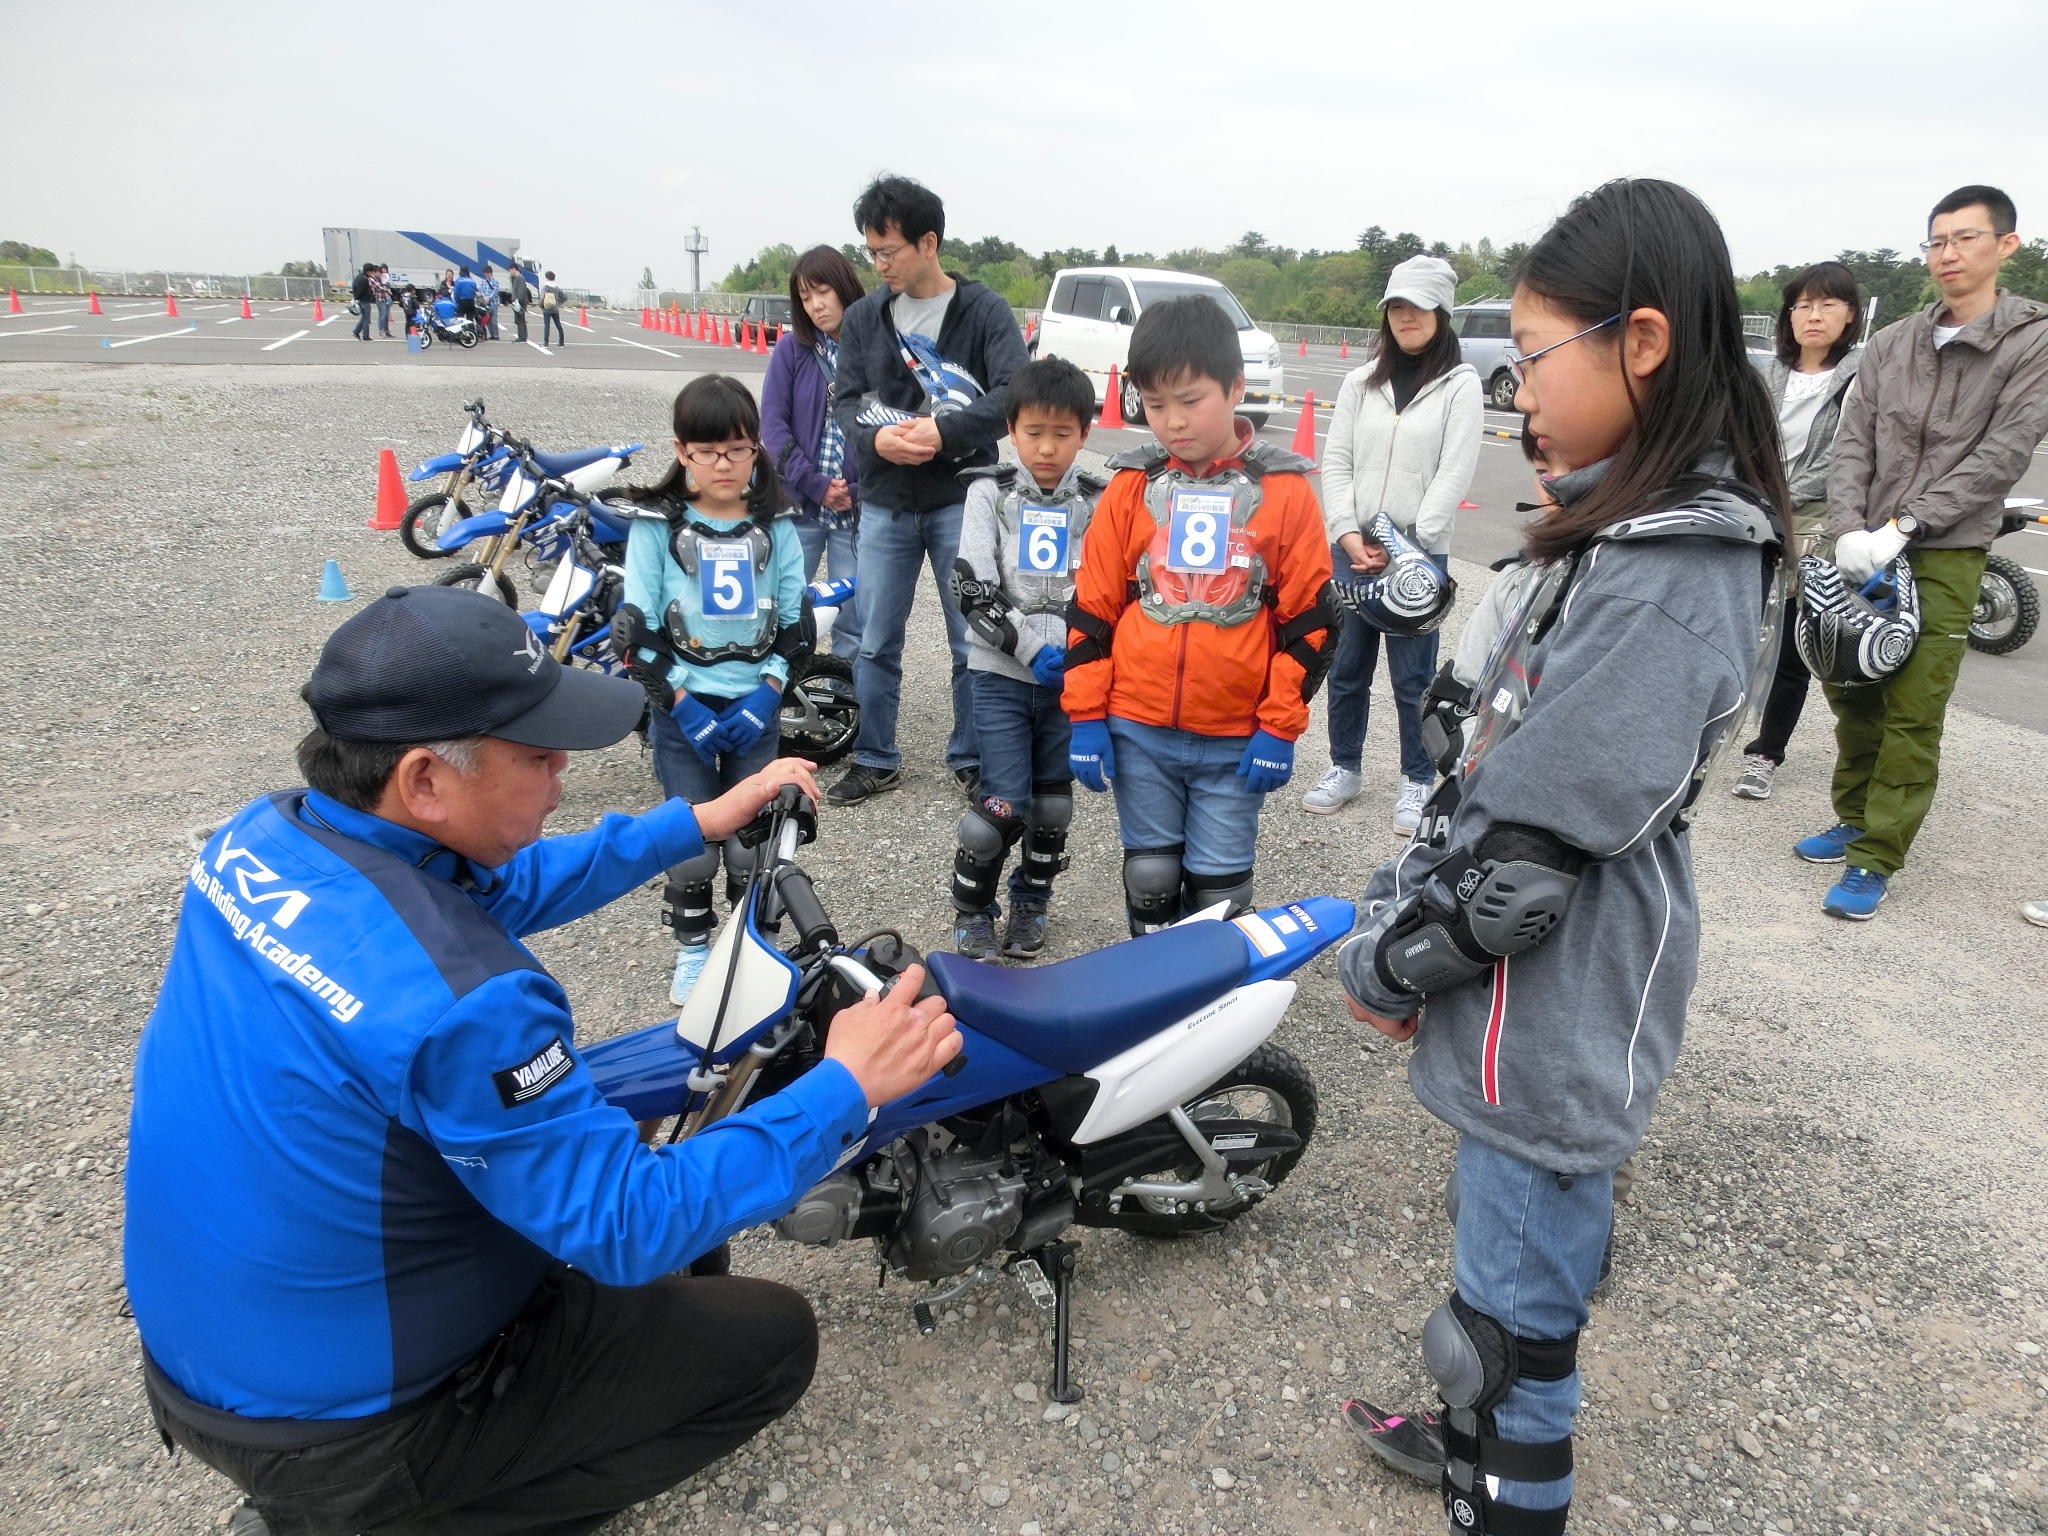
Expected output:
(891, 1042)
(719, 819)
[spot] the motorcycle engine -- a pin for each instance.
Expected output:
(963, 1209)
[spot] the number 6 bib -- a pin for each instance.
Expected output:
(1042, 547)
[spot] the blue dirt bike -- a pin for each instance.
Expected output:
(1135, 1088)
(480, 459)
(525, 518)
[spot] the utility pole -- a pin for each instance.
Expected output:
(696, 245)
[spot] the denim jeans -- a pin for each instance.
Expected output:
(552, 318)
(833, 549)
(384, 317)
(1527, 1253)
(1178, 787)
(362, 328)
(892, 546)
(1023, 735)
(1411, 663)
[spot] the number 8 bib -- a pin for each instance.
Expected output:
(725, 579)
(1042, 548)
(1198, 531)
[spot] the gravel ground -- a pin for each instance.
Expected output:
(1827, 1313)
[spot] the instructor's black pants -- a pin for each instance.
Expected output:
(596, 1398)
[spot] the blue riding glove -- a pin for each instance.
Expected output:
(699, 725)
(1090, 754)
(745, 720)
(1267, 764)
(1049, 666)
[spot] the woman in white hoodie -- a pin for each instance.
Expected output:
(1404, 441)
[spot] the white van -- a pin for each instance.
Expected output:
(1090, 311)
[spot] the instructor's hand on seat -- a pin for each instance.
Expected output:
(892, 1043)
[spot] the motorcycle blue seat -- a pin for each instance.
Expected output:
(559, 464)
(1076, 1014)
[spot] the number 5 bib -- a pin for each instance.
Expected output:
(735, 617)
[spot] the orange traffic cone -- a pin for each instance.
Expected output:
(319, 314)
(13, 302)
(1305, 432)
(645, 315)
(247, 312)
(1302, 350)
(703, 325)
(1030, 329)
(390, 493)
(1343, 349)
(1468, 506)
(171, 305)
(761, 340)
(93, 303)
(1112, 419)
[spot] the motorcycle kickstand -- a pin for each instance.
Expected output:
(1057, 1260)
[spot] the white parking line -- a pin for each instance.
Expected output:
(628, 342)
(183, 330)
(344, 315)
(280, 309)
(147, 314)
(295, 335)
(231, 319)
(40, 331)
(209, 306)
(37, 314)
(543, 351)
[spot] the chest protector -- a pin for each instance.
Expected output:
(1033, 591)
(705, 638)
(1241, 589)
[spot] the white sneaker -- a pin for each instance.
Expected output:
(1408, 806)
(2035, 912)
(689, 966)
(1755, 783)
(1337, 788)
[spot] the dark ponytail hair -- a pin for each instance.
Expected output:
(1440, 354)
(715, 409)
(1637, 244)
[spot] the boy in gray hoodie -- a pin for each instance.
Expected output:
(1020, 542)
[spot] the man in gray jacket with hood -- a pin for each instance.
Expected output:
(1943, 419)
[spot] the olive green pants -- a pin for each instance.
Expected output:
(1888, 736)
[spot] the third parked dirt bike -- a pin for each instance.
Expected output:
(2008, 603)
(522, 514)
(480, 459)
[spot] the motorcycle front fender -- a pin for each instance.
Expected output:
(439, 464)
(470, 529)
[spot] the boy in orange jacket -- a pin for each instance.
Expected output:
(1199, 629)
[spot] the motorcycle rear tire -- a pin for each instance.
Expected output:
(473, 576)
(2007, 590)
(827, 682)
(468, 338)
(428, 509)
(1272, 1070)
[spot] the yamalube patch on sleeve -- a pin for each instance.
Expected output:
(532, 1078)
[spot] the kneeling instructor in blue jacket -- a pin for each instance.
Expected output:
(396, 1265)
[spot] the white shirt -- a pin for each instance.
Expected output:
(1804, 393)
(1944, 334)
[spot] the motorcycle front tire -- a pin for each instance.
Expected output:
(426, 519)
(468, 338)
(2008, 608)
(473, 576)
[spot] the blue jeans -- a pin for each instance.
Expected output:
(1527, 1253)
(384, 317)
(551, 319)
(1411, 663)
(892, 546)
(362, 329)
(686, 776)
(1023, 734)
(833, 549)
(1174, 787)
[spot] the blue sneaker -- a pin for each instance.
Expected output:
(1829, 847)
(1856, 895)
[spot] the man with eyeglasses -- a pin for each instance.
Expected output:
(921, 391)
(1943, 418)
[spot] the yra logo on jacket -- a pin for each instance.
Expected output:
(251, 873)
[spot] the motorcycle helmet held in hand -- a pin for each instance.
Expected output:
(1854, 638)
(1409, 597)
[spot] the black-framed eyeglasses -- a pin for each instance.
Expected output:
(1518, 365)
(887, 253)
(704, 458)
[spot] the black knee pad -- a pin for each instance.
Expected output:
(1475, 1362)
(1206, 890)
(987, 835)
(1045, 834)
(1152, 879)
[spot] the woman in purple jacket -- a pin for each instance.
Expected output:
(803, 442)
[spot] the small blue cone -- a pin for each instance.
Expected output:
(332, 588)
(414, 342)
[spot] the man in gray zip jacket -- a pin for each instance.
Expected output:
(1944, 416)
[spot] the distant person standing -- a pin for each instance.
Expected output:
(551, 301)
(1944, 417)
(921, 394)
(805, 444)
(447, 288)
(465, 293)
(359, 295)
(487, 301)
(519, 295)
(380, 293)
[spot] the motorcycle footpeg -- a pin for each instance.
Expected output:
(1030, 1274)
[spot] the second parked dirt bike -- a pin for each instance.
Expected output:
(2008, 603)
(480, 459)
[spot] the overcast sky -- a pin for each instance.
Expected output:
(223, 137)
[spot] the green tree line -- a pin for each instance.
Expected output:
(1343, 288)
